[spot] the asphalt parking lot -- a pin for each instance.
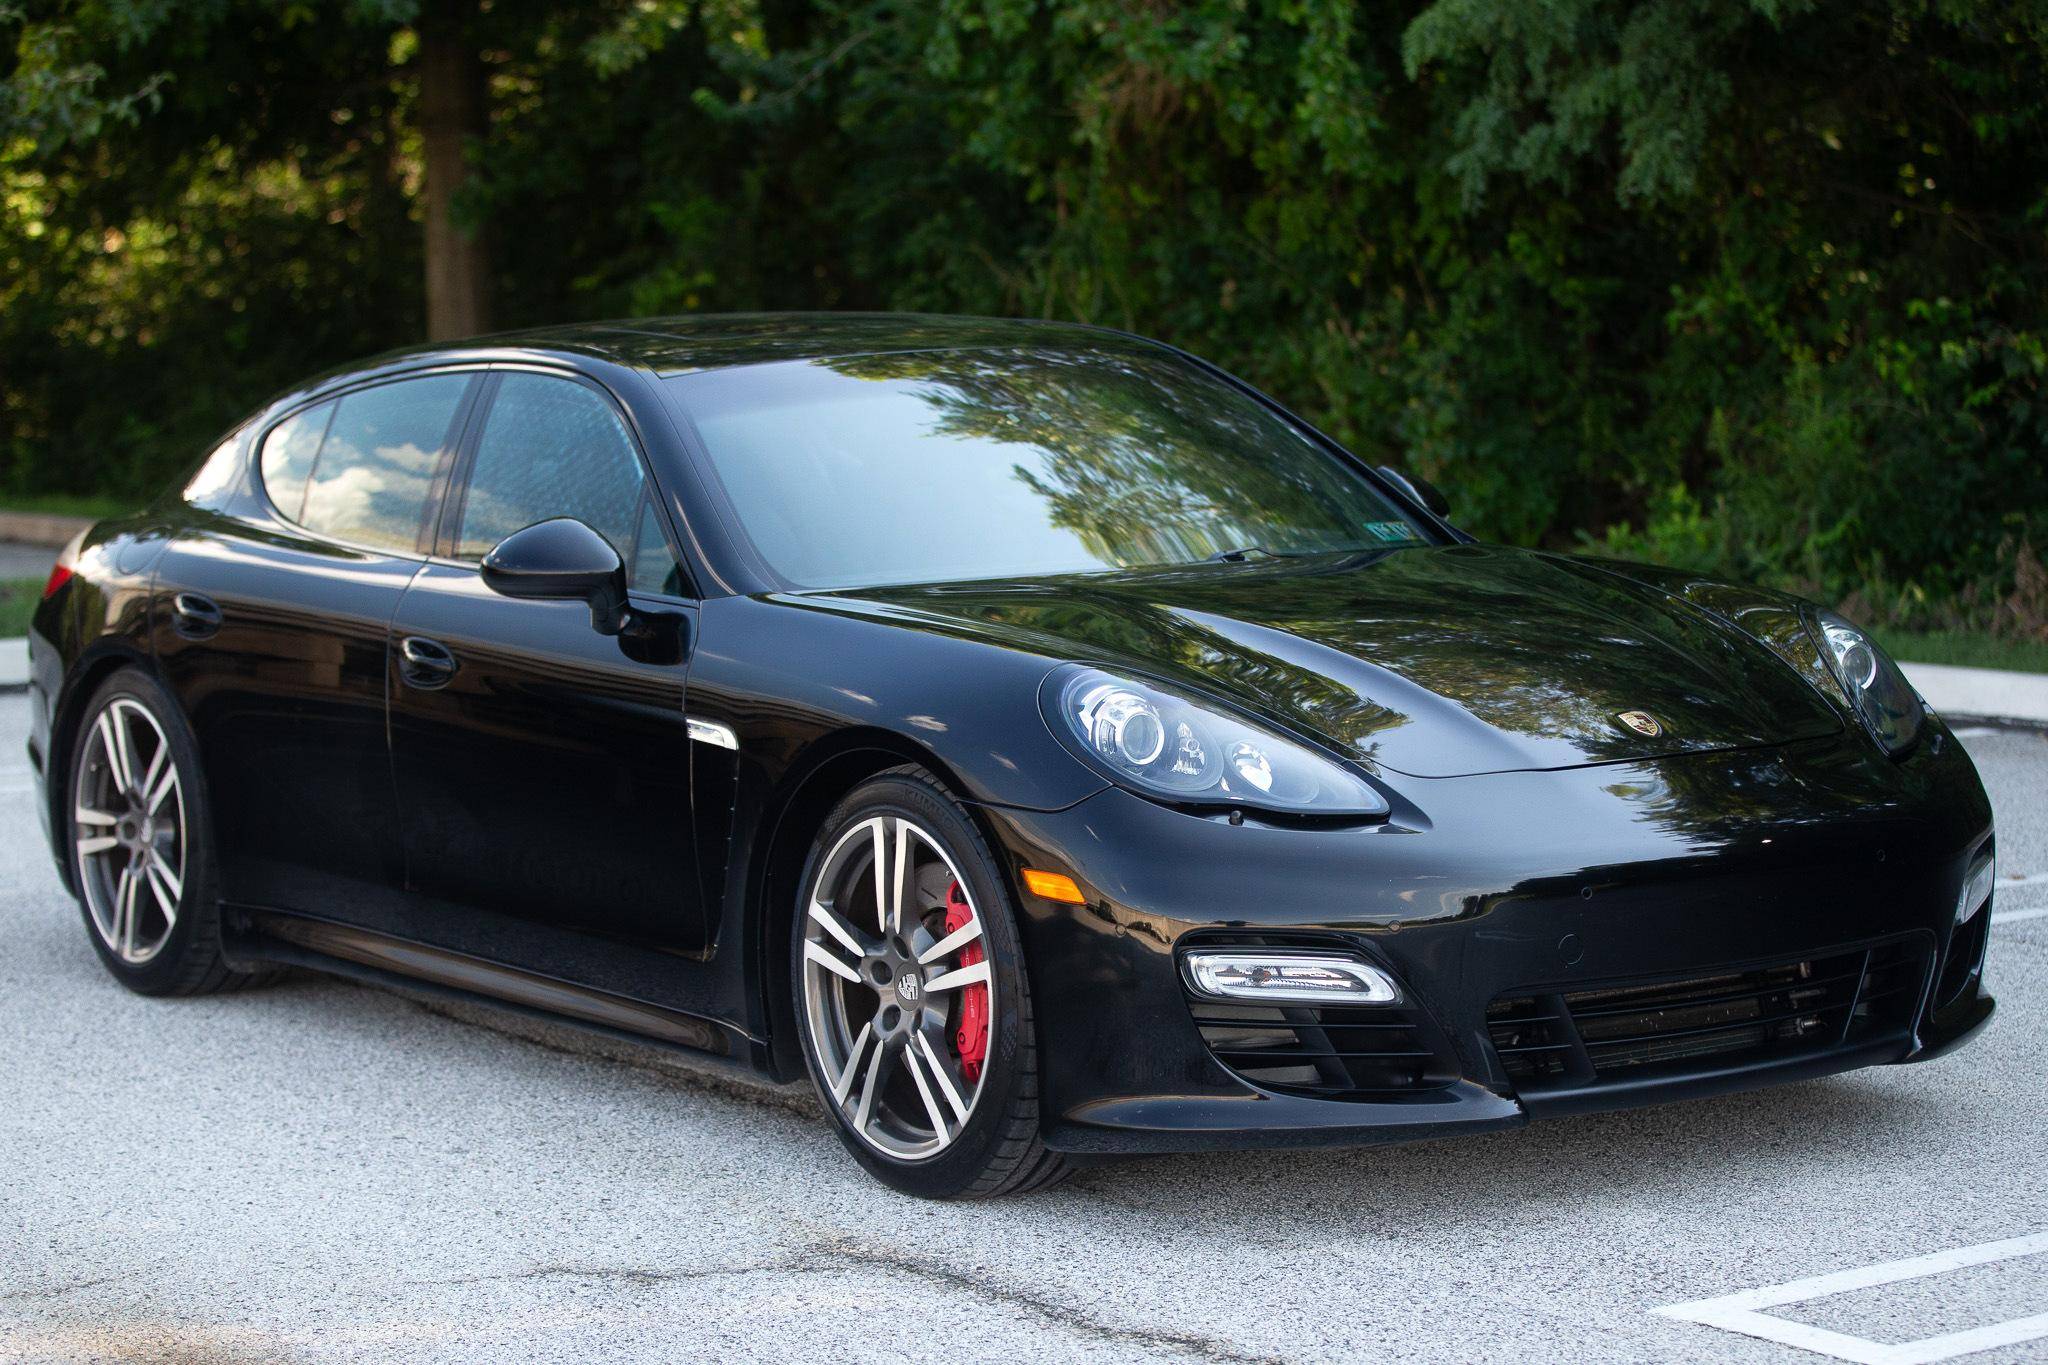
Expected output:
(330, 1172)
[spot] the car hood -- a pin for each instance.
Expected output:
(1436, 662)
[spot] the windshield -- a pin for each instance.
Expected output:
(932, 466)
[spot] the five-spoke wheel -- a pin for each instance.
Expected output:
(135, 821)
(911, 997)
(897, 992)
(128, 814)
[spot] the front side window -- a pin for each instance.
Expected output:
(931, 466)
(552, 447)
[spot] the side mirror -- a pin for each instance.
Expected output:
(1418, 488)
(562, 561)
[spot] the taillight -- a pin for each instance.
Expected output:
(59, 576)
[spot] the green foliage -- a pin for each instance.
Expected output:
(67, 505)
(1968, 649)
(1758, 287)
(18, 600)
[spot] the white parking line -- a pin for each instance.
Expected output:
(2015, 916)
(1741, 1312)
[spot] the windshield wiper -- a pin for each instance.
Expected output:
(1245, 552)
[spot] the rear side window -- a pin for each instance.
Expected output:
(552, 448)
(362, 468)
(288, 457)
(375, 469)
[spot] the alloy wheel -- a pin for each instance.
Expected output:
(897, 990)
(128, 825)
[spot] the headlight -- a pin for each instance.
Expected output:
(1176, 749)
(1890, 708)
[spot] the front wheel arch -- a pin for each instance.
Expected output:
(829, 770)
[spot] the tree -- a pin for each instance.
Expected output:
(451, 116)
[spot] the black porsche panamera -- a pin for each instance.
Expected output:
(1042, 740)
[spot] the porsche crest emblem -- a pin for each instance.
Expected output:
(1643, 723)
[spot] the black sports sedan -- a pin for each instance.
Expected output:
(1037, 737)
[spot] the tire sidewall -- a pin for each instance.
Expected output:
(963, 1162)
(196, 931)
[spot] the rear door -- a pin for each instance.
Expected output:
(272, 631)
(543, 769)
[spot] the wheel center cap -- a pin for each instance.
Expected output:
(909, 988)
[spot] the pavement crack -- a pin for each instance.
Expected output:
(620, 1274)
(1045, 1310)
(55, 1291)
(841, 1254)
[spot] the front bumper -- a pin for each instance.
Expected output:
(1491, 889)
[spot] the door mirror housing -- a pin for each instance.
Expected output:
(1418, 488)
(562, 560)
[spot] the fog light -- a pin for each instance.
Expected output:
(1976, 889)
(1274, 976)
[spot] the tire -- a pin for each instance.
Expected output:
(142, 855)
(893, 1059)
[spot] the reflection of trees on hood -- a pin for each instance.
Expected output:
(1145, 458)
(1531, 645)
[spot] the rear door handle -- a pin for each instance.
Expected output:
(193, 616)
(425, 663)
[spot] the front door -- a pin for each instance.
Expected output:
(543, 771)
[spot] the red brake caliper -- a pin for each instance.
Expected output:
(970, 1039)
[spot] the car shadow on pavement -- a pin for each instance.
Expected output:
(1769, 1137)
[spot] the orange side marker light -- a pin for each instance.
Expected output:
(1054, 886)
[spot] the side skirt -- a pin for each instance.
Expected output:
(266, 936)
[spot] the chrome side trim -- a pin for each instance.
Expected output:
(712, 733)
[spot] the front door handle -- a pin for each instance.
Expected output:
(193, 616)
(425, 663)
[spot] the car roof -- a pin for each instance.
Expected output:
(693, 342)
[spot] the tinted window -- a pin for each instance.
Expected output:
(926, 466)
(375, 469)
(551, 448)
(654, 568)
(288, 457)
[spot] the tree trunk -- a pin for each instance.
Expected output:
(451, 113)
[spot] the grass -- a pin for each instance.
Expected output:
(18, 599)
(1965, 648)
(66, 504)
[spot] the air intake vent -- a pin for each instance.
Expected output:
(1577, 1039)
(1965, 958)
(1331, 1053)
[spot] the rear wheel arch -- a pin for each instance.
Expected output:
(81, 682)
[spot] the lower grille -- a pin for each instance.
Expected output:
(1571, 1040)
(1332, 1053)
(1965, 957)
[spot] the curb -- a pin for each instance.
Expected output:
(41, 528)
(1986, 694)
(14, 664)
